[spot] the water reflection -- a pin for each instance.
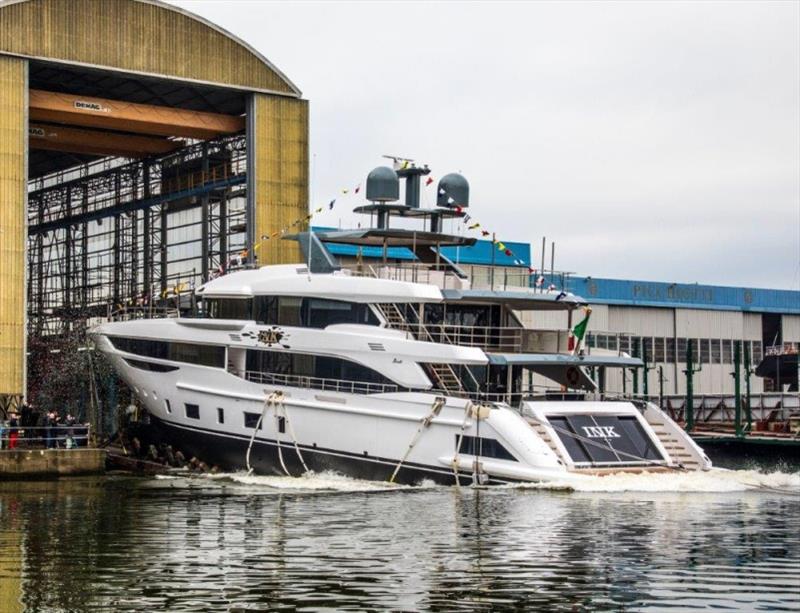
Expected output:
(199, 545)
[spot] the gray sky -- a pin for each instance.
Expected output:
(650, 141)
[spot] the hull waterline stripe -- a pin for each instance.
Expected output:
(322, 450)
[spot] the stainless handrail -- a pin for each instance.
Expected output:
(331, 385)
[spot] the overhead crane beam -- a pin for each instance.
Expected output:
(96, 142)
(129, 116)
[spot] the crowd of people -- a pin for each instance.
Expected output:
(36, 429)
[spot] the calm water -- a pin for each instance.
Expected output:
(326, 542)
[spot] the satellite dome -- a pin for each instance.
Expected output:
(453, 191)
(383, 185)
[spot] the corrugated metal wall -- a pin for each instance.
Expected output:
(791, 328)
(280, 174)
(13, 194)
(131, 35)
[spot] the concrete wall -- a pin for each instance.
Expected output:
(33, 463)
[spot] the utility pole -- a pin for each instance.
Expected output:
(660, 387)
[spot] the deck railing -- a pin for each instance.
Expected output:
(329, 385)
(44, 437)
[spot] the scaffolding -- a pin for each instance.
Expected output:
(116, 232)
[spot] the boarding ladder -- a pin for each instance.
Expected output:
(444, 374)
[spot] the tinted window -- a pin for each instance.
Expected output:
(310, 312)
(605, 439)
(220, 415)
(192, 411)
(150, 366)
(484, 447)
(251, 420)
(308, 365)
(228, 308)
(206, 355)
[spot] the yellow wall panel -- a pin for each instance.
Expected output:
(13, 194)
(280, 175)
(134, 35)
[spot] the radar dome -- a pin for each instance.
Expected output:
(383, 185)
(453, 191)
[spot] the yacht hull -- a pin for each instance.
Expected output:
(229, 453)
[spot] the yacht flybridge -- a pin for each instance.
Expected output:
(388, 371)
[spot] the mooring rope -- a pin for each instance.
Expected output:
(291, 433)
(269, 401)
(467, 408)
(436, 408)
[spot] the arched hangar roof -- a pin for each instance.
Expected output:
(146, 37)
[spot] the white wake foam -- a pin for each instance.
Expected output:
(311, 481)
(715, 480)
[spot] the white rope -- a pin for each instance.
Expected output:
(294, 438)
(436, 408)
(467, 409)
(267, 404)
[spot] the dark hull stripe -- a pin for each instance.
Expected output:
(228, 451)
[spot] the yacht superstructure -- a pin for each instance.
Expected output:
(385, 372)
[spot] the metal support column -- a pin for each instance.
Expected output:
(737, 386)
(748, 370)
(204, 220)
(147, 239)
(223, 231)
(250, 204)
(690, 372)
(163, 252)
(66, 285)
(85, 248)
(116, 248)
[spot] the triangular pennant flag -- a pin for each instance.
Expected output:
(344, 191)
(508, 252)
(467, 218)
(501, 246)
(441, 191)
(331, 203)
(459, 209)
(318, 209)
(450, 201)
(474, 226)
(358, 189)
(485, 232)
(428, 181)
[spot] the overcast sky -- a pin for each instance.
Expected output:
(650, 141)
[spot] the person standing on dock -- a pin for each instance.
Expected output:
(13, 431)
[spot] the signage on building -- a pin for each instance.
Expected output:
(90, 106)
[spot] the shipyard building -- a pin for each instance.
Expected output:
(140, 146)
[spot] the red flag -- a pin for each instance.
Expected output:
(358, 189)
(428, 181)
(458, 209)
(485, 233)
(507, 252)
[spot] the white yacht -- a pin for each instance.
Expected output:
(386, 372)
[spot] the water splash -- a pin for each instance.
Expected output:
(717, 480)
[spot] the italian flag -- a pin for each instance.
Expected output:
(579, 331)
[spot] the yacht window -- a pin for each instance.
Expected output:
(320, 313)
(220, 415)
(167, 406)
(311, 312)
(152, 367)
(228, 308)
(192, 411)
(205, 355)
(289, 310)
(251, 420)
(485, 447)
(309, 365)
